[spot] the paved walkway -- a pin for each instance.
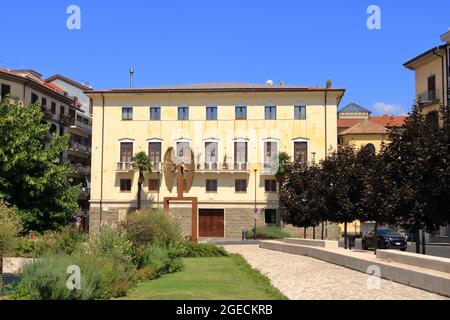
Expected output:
(305, 278)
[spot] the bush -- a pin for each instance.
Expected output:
(156, 260)
(268, 233)
(64, 241)
(194, 250)
(148, 225)
(45, 279)
(10, 226)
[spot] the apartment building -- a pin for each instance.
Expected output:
(235, 131)
(62, 112)
(432, 77)
(432, 82)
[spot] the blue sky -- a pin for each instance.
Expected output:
(172, 42)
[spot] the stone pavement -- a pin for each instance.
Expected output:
(305, 278)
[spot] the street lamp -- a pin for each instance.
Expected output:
(255, 210)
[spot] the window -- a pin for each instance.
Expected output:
(271, 113)
(155, 113)
(125, 185)
(240, 155)
(270, 153)
(183, 151)
(44, 102)
(62, 110)
(5, 90)
(183, 113)
(211, 155)
(432, 88)
(270, 216)
(270, 185)
(240, 185)
(61, 131)
(211, 185)
(300, 112)
(127, 113)
(153, 185)
(126, 152)
(301, 151)
(241, 113)
(53, 107)
(211, 113)
(154, 152)
(34, 98)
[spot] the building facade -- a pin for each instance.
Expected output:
(62, 112)
(432, 90)
(235, 131)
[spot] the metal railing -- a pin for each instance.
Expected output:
(79, 147)
(226, 167)
(429, 96)
(124, 166)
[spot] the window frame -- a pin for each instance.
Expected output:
(270, 108)
(215, 114)
(158, 113)
(185, 118)
(2, 88)
(126, 190)
(308, 148)
(244, 114)
(158, 185)
(274, 214)
(300, 115)
(127, 107)
(273, 183)
(238, 185)
(215, 185)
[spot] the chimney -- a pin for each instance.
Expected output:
(329, 84)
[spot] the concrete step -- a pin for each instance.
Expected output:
(422, 278)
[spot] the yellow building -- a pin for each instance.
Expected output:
(432, 77)
(235, 131)
(432, 90)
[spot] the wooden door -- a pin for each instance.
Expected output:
(211, 223)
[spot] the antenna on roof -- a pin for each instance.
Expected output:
(131, 77)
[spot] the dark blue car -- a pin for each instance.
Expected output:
(386, 238)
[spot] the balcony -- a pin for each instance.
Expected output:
(81, 169)
(47, 114)
(429, 96)
(81, 123)
(76, 147)
(222, 167)
(124, 167)
(156, 167)
(269, 168)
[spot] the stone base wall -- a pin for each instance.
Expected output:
(236, 219)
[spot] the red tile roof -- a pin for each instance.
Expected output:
(389, 121)
(365, 127)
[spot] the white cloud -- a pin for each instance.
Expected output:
(388, 108)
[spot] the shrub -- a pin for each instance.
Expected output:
(157, 260)
(10, 226)
(203, 250)
(148, 225)
(269, 233)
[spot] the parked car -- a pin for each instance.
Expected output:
(387, 239)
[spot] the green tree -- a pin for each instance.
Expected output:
(31, 178)
(141, 164)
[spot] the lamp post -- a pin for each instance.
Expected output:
(255, 210)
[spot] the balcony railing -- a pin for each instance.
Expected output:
(222, 167)
(84, 170)
(429, 96)
(124, 166)
(156, 167)
(75, 146)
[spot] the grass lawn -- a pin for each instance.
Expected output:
(221, 278)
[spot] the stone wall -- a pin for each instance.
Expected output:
(332, 231)
(184, 215)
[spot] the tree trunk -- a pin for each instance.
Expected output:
(314, 233)
(417, 233)
(345, 235)
(304, 232)
(1, 267)
(141, 179)
(423, 242)
(323, 226)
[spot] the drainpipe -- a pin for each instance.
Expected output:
(443, 74)
(102, 157)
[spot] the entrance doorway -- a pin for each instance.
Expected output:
(211, 223)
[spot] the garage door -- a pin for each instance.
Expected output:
(211, 223)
